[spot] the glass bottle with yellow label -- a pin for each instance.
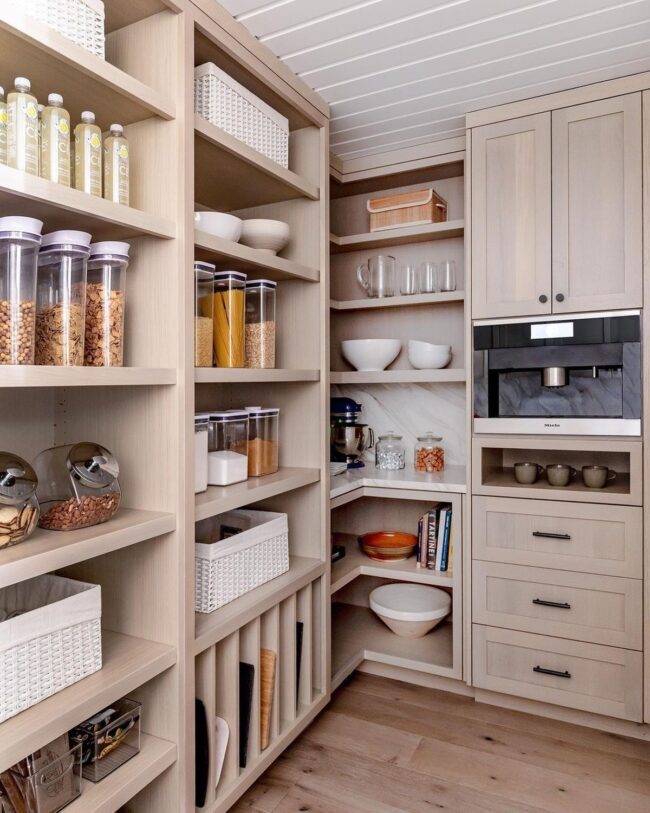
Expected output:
(22, 127)
(116, 166)
(88, 155)
(55, 141)
(3, 127)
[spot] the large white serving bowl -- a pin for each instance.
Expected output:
(425, 356)
(220, 224)
(269, 236)
(410, 610)
(370, 355)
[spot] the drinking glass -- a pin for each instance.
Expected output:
(448, 275)
(408, 280)
(428, 278)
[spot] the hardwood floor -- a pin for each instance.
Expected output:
(388, 747)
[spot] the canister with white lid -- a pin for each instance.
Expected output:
(263, 440)
(227, 447)
(201, 427)
(20, 239)
(228, 315)
(260, 323)
(105, 304)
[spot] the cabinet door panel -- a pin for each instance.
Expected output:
(597, 238)
(511, 217)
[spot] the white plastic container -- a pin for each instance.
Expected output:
(410, 610)
(201, 426)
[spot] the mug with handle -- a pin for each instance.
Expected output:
(560, 474)
(597, 476)
(527, 473)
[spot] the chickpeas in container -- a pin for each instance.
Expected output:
(77, 486)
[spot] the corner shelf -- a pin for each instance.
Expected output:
(128, 662)
(37, 376)
(221, 375)
(46, 551)
(397, 237)
(238, 257)
(396, 301)
(447, 376)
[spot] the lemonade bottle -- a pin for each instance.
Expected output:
(116, 166)
(3, 127)
(55, 141)
(88, 155)
(22, 127)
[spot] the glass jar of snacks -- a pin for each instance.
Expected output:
(390, 453)
(18, 504)
(77, 486)
(105, 302)
(228, 314)
(263, 440)
(203, 313)
(260, 323)
(429, 454)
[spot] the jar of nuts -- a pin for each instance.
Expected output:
(18, 503)
(77, 486)
(429, 454)
(105, 303)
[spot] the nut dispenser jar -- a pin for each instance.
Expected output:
(390, 454)
(260, 323)
(105, 303)
(429, 453)
(229, 309)
(203, 313)
(263, 445)
(18, 504)
(77, 486)
(20, 239)
(61, 298)
(228, 447)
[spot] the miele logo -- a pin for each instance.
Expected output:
(552, 425)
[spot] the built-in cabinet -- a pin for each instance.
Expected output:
(556, 211)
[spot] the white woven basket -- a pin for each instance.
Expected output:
(229, 568)
(232, 107)
(81, 21)
(55, 641)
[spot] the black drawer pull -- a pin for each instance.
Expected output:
(546, 535)
(562, 605)
(553, 672)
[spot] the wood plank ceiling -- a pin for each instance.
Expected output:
(398, 73)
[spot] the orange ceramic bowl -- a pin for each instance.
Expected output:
(388, 546)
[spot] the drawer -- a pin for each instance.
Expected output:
(586, 538)
(583, 607)
(588, 677)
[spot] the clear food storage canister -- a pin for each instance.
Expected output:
(105, 304)
(260, 323)
(429, 454)
(18, 504)
(229, 309)
(263, 440)
(203, 313)
(390, 453)
(20, 239)
(77, 486)
(201, 427)
(228, 447)
(61, 298)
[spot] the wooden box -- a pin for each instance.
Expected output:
(407, 209)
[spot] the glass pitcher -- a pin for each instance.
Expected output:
(377, 276)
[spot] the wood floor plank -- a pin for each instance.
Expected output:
(264, 797)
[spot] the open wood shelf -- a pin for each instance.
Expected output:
(397, 237)
(123, 784)
(42, 376)
(370, 303)
(219, 499)
(210, 628)
(128, 662)
(57, 206)
(617, 491)
(46, 551)
(235, 256)
(53, 62)
(222, 375)
(398, 377)
(120, 13)
(248, 179)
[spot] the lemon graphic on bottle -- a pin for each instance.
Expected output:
(22, 127)
(116, 166)
(88, 155)
(55, 141)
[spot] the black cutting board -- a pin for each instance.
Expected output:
(246, 681)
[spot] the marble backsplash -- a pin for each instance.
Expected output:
(411, 410)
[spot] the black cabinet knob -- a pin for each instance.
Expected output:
(543, 298)
(559, 297)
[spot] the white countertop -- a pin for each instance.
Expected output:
(451, 480)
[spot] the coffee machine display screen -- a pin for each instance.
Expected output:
(552, 330)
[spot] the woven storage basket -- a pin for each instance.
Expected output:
(81, 21)
(54, 642)
(256, 553)
(232, 107)
(406, 209)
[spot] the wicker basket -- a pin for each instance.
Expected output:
(256, 551)
(55, 641)
(232, 107)
(81, 21)
(406, 209)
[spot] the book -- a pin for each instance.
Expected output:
(418, 547)
(268, 660)
(445, 530)
(246, 681)
(422, 558)
(432, 536)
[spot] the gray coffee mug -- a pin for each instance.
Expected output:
(560, 475)
(597, 476)
(527, 473)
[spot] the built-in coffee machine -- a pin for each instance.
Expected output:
(567, 375)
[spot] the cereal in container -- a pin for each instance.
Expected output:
(105, 304)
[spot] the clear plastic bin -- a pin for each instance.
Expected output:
(228, 447)
(263, 440)
(203, 313)
(105, 304)
(229, 311)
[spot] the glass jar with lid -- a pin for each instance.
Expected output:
(228, 314)
(429, 453)
(105, 304)
(390, 454)
(228, 447)
(19, 508)
(260, 323)
(263, 440)
(20, 239)
(61, 298)
(203, 313)
(77, 486)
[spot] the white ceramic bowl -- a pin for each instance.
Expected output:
(370, 354)
(410, 610)
(220, 224)
(269, 236)
(425, 356)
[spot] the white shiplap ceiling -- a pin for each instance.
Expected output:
(398, 73)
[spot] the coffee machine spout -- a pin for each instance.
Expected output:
(555, 377)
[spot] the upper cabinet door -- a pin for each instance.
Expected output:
(511, 218)
(597, 220)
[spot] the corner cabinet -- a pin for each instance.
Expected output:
(556, 211)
